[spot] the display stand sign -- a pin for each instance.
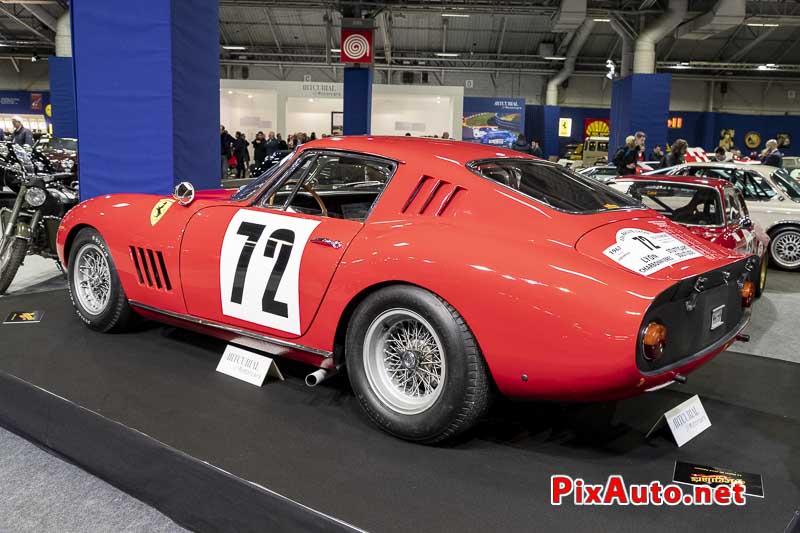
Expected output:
(685, 421)
(24, 317)
(247, 366)
(691, 474)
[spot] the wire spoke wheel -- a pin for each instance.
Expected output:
(5, 251)
(786, 249)
(404, 361)
(92, 279)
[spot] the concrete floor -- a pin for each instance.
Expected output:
(42, 493)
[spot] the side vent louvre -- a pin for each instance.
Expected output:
(151, 269)
(431, 196)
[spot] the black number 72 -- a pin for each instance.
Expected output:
(285, 238)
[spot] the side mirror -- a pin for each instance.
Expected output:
(746, 223)
(184, 193)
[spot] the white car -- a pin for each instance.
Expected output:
(773, 199)
(602, 173)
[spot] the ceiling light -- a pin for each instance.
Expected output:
(249, 95)
(34, 58)
(445, 54)
(762, 25)
(602, 20)
(232, 47)
(230, 92)
(762, 67)
(771, 65)
(456, 15)
(555, 58)
(336, 50)
(311, 100)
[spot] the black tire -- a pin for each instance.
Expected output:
(465, 397)
(761, 275)
(8, 268)
(117, 316)
(777, 239)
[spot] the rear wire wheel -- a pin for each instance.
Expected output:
(415, 366)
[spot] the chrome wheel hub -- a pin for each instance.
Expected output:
(404, 361)
(92, 279)
(787, 249)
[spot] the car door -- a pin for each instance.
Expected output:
(266, 266)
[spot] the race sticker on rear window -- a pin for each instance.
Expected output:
(646, 252)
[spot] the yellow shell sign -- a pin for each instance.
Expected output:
(597, 128)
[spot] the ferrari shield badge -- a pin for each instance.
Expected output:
(159, 210)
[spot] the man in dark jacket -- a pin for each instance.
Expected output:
(23, 135)
(772, 156)
(259, 148)
(521, 145)
(226, 147)
(273, 144)
(242, 154)
(536, 150)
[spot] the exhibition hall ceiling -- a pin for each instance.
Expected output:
(471, 35)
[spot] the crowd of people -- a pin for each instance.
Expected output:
(627, 157)
(20, 134)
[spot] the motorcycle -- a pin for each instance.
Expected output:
(29, 225)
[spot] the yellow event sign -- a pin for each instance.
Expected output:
(564, 127)
(159, 210)
(597, 128)
(752, 139)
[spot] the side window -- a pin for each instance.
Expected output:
(276, 197)
(733, 211)
(752, 189)
(341, 186)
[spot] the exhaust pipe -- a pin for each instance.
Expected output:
(320, 375)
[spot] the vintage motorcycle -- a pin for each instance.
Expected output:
(29, 224)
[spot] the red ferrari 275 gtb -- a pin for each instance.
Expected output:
(435, 270)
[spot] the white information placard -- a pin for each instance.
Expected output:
(687, 420)
(247, 366)
(646, 252)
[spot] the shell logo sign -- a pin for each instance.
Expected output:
(596, 127)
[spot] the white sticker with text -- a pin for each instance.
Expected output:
(646, 252)
(247, 366)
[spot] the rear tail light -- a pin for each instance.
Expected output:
(748, 293)
(654, 340)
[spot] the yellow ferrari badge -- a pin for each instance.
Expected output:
(161, 207)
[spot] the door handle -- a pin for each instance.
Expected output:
(327, 242)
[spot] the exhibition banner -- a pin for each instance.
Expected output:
(23, 102)
(495, 121)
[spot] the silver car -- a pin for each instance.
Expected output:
(773, 199)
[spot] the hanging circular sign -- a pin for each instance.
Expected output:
(752, 139)
(48, 110)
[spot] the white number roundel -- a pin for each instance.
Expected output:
(355, 46)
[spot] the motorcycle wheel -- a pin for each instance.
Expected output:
(12, 253)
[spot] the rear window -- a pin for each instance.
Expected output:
(692, 205)
(553, 185)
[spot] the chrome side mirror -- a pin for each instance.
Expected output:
(184, 193)
(746, 223)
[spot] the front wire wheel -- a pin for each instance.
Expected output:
(12, 254)
(92, 279)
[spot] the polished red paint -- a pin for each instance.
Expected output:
(753, 241)
(531, 282)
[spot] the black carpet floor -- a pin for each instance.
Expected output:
(314, 445)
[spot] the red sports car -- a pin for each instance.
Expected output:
(713, 209)
(437, 271)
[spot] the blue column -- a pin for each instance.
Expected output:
(147, 94)
(550, 116)
(62, 96)
(357, 101)
(710, 137)
(640, 102)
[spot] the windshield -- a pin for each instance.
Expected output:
(246, 191)
(553, 185)
(786, 184)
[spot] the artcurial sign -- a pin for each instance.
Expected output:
(321, 90)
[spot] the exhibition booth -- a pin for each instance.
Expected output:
(287, 107)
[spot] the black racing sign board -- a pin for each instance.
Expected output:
(24, 317)
(692, 474)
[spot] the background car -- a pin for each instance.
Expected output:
(712, 209)
(436, 271)
(61, 152)
(792, 166)
(602, 173)
(499, 138)
(773, 201)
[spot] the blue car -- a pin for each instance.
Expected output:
(499, 138)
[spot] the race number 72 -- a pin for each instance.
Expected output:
(260, 268)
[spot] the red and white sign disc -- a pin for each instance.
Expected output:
(356, 46)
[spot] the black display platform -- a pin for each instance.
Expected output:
(314, 447)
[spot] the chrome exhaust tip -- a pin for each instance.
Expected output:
(320, 375)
